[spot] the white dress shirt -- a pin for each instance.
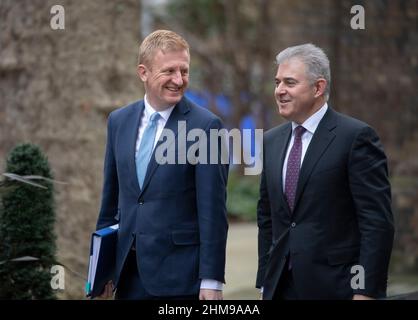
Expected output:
(162, 120)
(310, 125)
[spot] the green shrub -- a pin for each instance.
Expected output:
(27, 228)
(243, 193)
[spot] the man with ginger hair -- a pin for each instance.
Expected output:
(172, 217)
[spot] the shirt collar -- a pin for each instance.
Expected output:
(312, 122)
(149, 110)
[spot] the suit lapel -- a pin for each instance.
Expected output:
(321, 139)
(132, 124)
(279, 148)
(178, 114)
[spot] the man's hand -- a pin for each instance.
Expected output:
(361, 297)
(108, 291)
(209, 294)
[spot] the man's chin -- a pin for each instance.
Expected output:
(167, 103)
(283, 113)
(173, 102)
(174, 99)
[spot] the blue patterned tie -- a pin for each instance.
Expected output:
(293, 168)
(145, 148)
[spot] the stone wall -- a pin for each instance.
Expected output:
(56, 90)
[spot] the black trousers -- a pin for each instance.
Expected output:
(130, 286)
(286, 289)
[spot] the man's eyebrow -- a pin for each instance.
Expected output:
(285, 79)
(289, 79)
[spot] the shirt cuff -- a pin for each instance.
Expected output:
(211, 284)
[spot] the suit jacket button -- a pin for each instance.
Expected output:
(141, 202)
(293, 224)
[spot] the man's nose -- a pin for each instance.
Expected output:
(280, 89)
(177, 78)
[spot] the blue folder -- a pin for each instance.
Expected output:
(102, 260)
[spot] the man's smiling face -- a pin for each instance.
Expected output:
(166, 78)
(294, 92)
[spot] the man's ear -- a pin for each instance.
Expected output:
(142, 72)
(320, 86)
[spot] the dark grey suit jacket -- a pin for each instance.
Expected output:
(342, 214)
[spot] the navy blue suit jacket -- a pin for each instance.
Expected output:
(342, 215)
(178, 219)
